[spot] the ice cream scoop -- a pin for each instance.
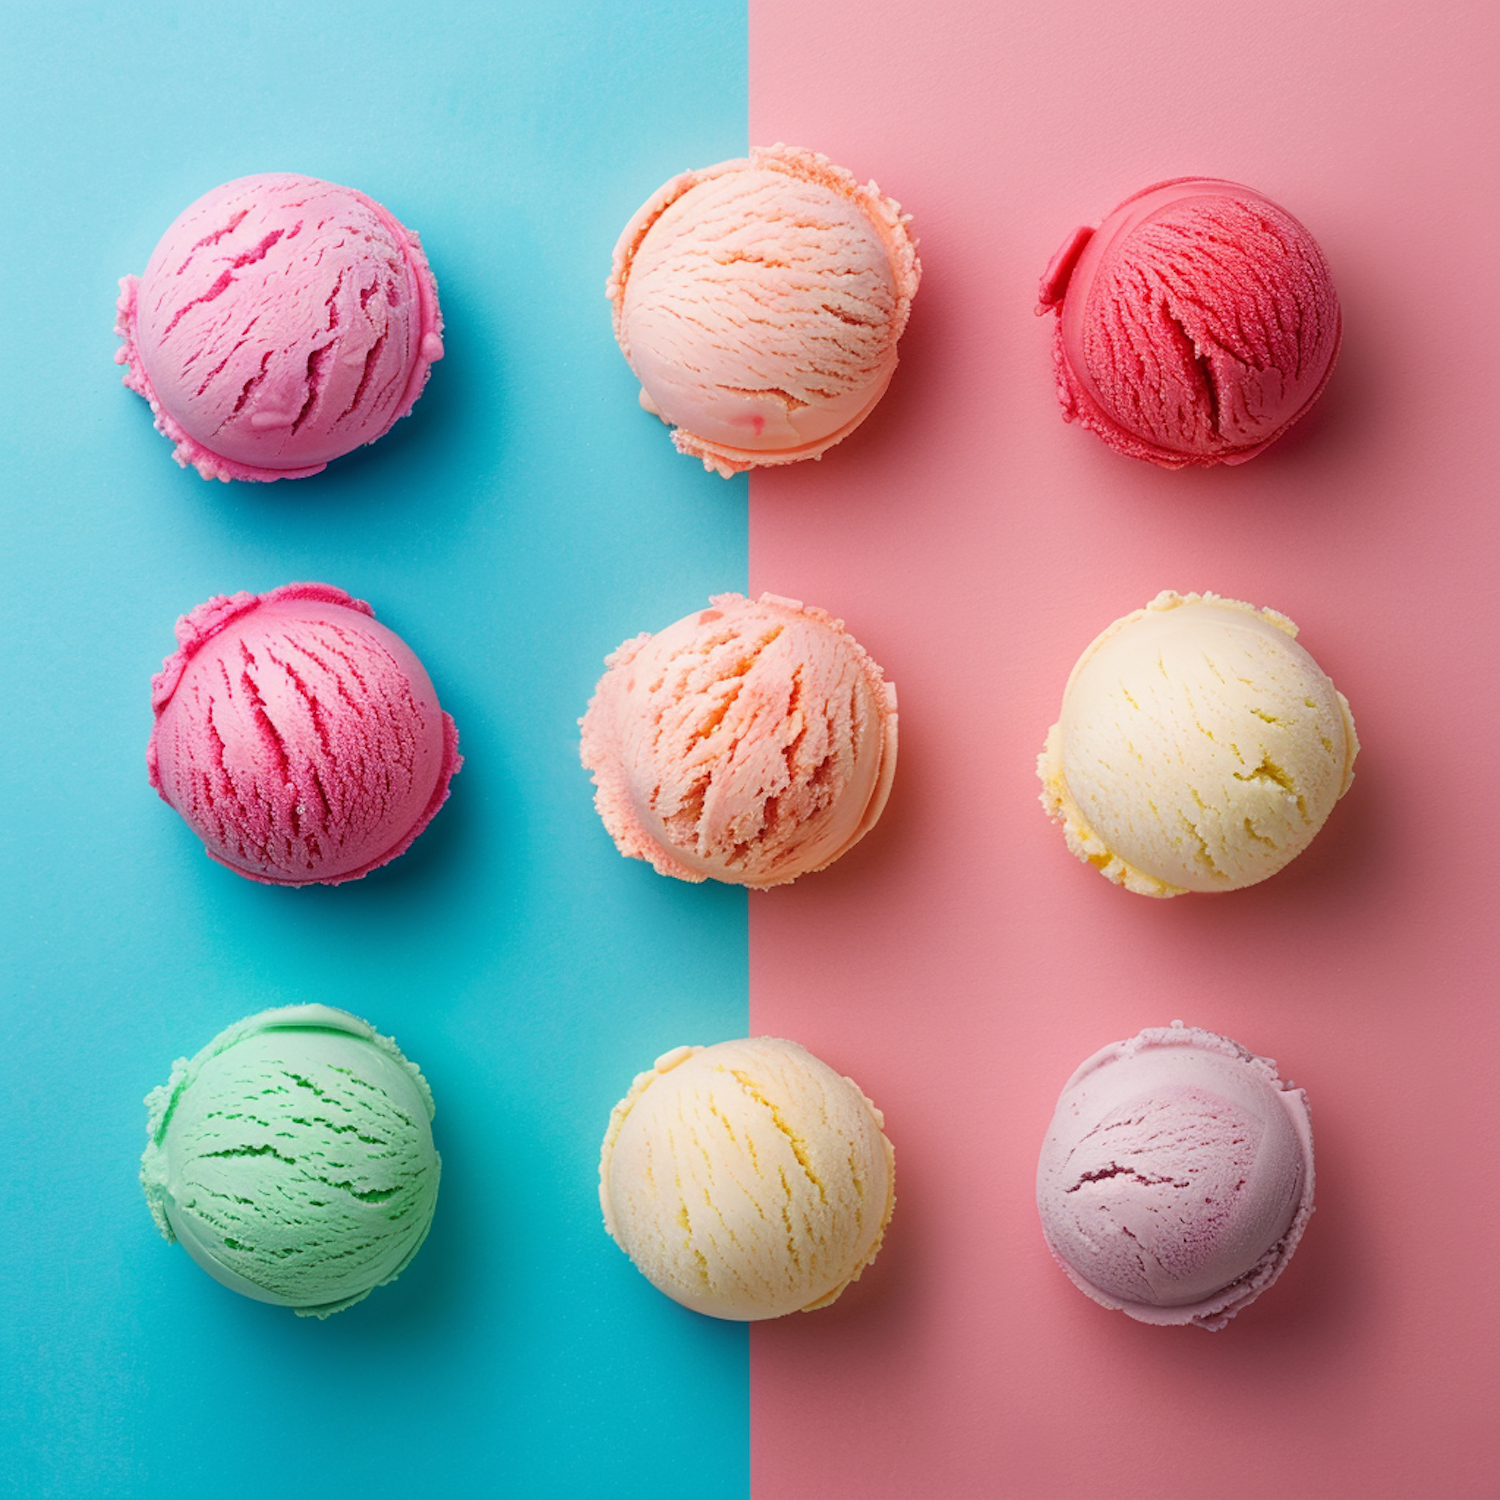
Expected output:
(281, 322)
(747, 1180)
(759, 303)
(1177, 1176)
(293, 1158)
(1199, 748)
(298, 738)
(751, 742)
(1195, 324)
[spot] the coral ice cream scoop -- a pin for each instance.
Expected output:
(280, 323)
(751, 743)
(1177, 1177)
(1195, 324)
(747, 1180)
(759, 303)
(293, 1158)
(298, 738)
(1199, 748)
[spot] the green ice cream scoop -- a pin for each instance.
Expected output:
(293, 1158)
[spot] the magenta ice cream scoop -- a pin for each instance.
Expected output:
(280, 323)
(300, 740)
(1195, 324)
(1177, 1176)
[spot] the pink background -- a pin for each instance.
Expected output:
(961, 963)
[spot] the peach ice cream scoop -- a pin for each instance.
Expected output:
(1195, 324)
(281, 322)
(298, 738)
(752, 742)
(759, 303)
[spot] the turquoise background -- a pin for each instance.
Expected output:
(521, 524)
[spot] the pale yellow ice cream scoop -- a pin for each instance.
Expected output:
(1199, 748)
(748, 1179)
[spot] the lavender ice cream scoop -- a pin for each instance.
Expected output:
(1177, 1176)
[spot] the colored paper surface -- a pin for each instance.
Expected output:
(522, 523)
(961, 963)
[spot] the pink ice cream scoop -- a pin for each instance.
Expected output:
(759, 303)
(298, 738)
(1195, 324)
(751, 742)
(1177, 1176)
(280, 323)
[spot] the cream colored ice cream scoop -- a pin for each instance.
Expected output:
(1199, 748)
(747, 1180)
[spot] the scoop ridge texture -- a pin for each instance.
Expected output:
(1194, 326)
(1199, 748)
(1176, 1179)
(759, 302)
(747, 1180)
(749, 743)
(280, 323)
(301, 740)
(293, 1158)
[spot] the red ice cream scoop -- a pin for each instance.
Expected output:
(1195, 324)
(300, 740)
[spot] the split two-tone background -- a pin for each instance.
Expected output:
(959, 963)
